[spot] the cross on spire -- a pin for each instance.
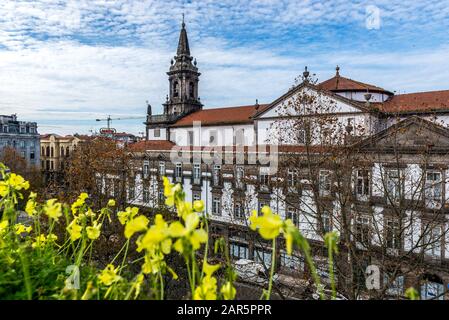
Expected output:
(183, 44)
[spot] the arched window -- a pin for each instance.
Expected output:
(48, 151)
(175, 89)
(432, 287)
(62, 151)
(43, 151)
(191, 90)
(67, 152)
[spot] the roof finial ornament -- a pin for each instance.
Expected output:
(305, 75)
(337, 69)
(183, 23)
(368, 96)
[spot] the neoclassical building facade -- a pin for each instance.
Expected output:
(335, 155)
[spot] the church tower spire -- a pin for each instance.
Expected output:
(183, 78)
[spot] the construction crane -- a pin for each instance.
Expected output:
(109, 120)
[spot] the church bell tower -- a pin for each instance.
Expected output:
(183, 78)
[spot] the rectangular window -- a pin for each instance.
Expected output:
(22, 154)
(291, 262)
(239, 251)
(363, 230)
(146, 194)
(433, 186)
(362, 183)
(190, 136)
(263, 257)
(22, 144)
(196, 173)
(216, 206)
(131, 191)
(32, 156)
(264, 179)
(239, 175)
(240, 137)
(293, 214)
(393, 184)
(395, 286)
(146, 169)
(432, 241)
(327, 222)
(178, 172)
(432, 291)
(239, 212)
(157, 133)
(196, 196)
(161, 196)
(325, 184)
(392, 234)
(162, 168)
(292, 180)
(216, 175)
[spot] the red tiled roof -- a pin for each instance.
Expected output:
(151, 145)
(417, 102)
(339, 83)
(221, 116)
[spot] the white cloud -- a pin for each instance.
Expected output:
(86, 59)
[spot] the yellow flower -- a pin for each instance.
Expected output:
(42, 240)
(3, 226)
(4, 189)
(39, 242)
(90, 213)
(20, 228)
(18, 182)
(189, 233)
(32, 195)
(156, 234)
(111, 203)
(153, 262)
(228, 291)
(170, 191)
(109, 275)
(135, 225)
(209, 269)
(138, 284)
(74, 229)
(53, 209)
(207, 290)
(30, 207)
(269, 225)
(198, 205)
(128, 214)
(79, 202)
(93, 232)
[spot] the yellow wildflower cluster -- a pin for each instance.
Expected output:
(270, 225)
(13, 182)
(109, 275)
(31, 205)
(42, 240)
(53, 209)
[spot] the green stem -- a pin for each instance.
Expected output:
(26, 275)
(331, 271)
(273, 261)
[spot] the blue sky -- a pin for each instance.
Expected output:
(66, 63)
